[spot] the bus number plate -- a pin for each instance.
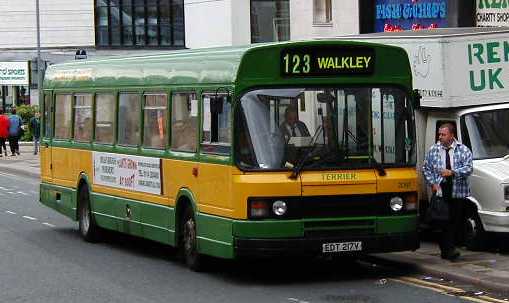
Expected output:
(341, 246)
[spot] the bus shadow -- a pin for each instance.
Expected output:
(261, 271)
(301, 270)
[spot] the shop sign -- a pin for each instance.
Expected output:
(14, 73)
(492, 13)
(398, 15)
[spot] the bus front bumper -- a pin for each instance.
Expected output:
(321, 246)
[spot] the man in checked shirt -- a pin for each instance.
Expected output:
(447, 166)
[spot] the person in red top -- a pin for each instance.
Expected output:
(4, 131)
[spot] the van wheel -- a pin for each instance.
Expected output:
(87, 226)
(474, 233)
(188, 245)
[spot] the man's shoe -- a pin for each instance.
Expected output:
(452, 255)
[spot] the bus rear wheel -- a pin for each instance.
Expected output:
(188, 245)
(87, 226)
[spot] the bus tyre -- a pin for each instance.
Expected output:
(474, 234)
(189, 247)
(87, 226)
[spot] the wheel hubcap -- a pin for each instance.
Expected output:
(85, 222)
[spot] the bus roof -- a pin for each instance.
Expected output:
(224, 65)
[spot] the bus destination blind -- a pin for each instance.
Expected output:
(329, 61)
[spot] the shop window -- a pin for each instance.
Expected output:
(105, 118)
(216, 137)
(63, 116)
(322, 11)
(155, 117)
(184, 122)
(270, 20)
(129, 119)
(139, 23)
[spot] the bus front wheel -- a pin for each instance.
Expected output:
(189, 245)
(87, 226)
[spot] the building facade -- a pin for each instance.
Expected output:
(98, 28)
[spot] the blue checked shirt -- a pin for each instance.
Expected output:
(461, 166)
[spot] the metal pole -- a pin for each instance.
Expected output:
(39, 61)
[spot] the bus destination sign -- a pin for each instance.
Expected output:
(327, 61)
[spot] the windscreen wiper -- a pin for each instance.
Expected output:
(296, 170)
(379, 167)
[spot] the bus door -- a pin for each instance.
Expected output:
(46, 135)
(215, 173)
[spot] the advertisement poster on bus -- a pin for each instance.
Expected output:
(128, 172)
(399, 15)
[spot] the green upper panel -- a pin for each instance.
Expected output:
(259, 64)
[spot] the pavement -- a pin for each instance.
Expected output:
(488, 269)
(26, 163)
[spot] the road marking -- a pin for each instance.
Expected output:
(30, 218)
(6, 174)
(20, 192)
(48, 224)
(10, 212)
(10, 192)
(446, 290)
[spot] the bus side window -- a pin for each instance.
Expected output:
(83, 118)
(216, 125)
(129, 119)
(184, 122)
(105, 105)
(155, 116)
(63, 116)
(48, 117)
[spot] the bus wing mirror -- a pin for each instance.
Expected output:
(416, 99)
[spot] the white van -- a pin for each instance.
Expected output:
(462, 75)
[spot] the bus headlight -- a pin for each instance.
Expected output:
(396, 203)
(279, 208)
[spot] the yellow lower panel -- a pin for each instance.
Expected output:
(338, 189)
(398, 179)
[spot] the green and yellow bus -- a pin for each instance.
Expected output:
(303, 148)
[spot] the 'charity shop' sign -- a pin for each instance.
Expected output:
(128, 172)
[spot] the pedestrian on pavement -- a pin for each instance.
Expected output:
(35, 128)
(14, 132)
(4, 131)
(447, 166)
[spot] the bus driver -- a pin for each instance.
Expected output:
(292, 127)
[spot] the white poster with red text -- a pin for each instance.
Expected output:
(128, 172)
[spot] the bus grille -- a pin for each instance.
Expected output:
(323, 229)
(338, 206)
